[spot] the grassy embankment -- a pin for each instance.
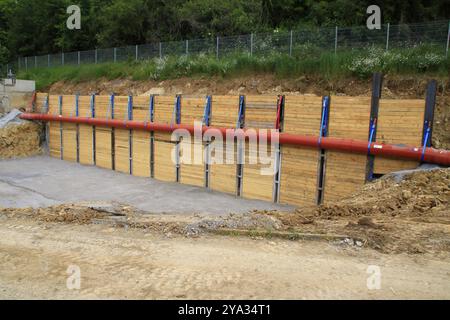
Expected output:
(327, 65)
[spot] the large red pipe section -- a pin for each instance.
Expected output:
(430, 155)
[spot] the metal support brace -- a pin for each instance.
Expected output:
(377, 86)
(130, 138)
(322, 154)
(240, 147)
(277, 168)
(430, 104)
(152, 137)
(206, 122)
(94, 158)
(77, 102)
(61, 146)
(113, 134)
(177, 118)
(47, 133)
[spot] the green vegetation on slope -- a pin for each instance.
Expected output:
(361, 64)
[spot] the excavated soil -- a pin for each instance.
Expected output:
(20, 139)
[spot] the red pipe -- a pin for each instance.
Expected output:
(431, 155)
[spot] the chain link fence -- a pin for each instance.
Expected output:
(433, 34)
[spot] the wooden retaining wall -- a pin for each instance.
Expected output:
(297, 175)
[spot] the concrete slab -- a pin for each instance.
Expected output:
(42, 181)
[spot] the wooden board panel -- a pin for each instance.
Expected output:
(260, 112)
(298, 184)
(103, 135)
(165, 168)
(85, 131)
(69, 129)
(164, 113)
(224, 111)
(302, 115)
(258, 178)
(191, 172)
(54, 134)
(399, 122)
(192, 109)
(224, 114)
(41, 99)
(121, 137)
(345, 172)
(299, 166)
(141, 139)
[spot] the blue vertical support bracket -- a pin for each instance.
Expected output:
(240, 123)
(430, 103)
(279, 127)
(177, 118)
(206, 122)
(47, 133)
(113, 133)
(77, 137)
(94, 142)
(130, 138)
(61, 146)
(324, 124)
(377, 86)
(152, 136)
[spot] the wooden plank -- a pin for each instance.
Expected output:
(399, 122)
(258, 177)
(224, 114)
(69, 129)
(298, 185)
(192, 171)
(346, 172)
(85, 132)
(103, 135)
(165, 167)
(121, 136)
(299, 166)
(141, 139)
(54, 142)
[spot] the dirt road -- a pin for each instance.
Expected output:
(129, 263)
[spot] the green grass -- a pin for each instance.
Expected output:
(311, 61)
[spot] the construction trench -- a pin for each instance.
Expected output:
(327, 147)
(113, 196)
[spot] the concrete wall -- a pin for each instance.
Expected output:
(15, 96)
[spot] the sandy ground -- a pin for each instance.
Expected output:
(121, 263)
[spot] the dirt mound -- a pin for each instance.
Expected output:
(64, 213)
(419, 193)
(20, 139)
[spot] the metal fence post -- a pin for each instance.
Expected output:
(187, 47)
(251, 44)
(335, 40)
(387, 36)
(137, 52)
(62, 58)
(217, 47)
(448, 40)
(290, 43)
(26, 63)
(35, 61)
(79, 58)
(48, 58)
(96, 56)
(115, 55)
(160, 50)
(18, 63)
